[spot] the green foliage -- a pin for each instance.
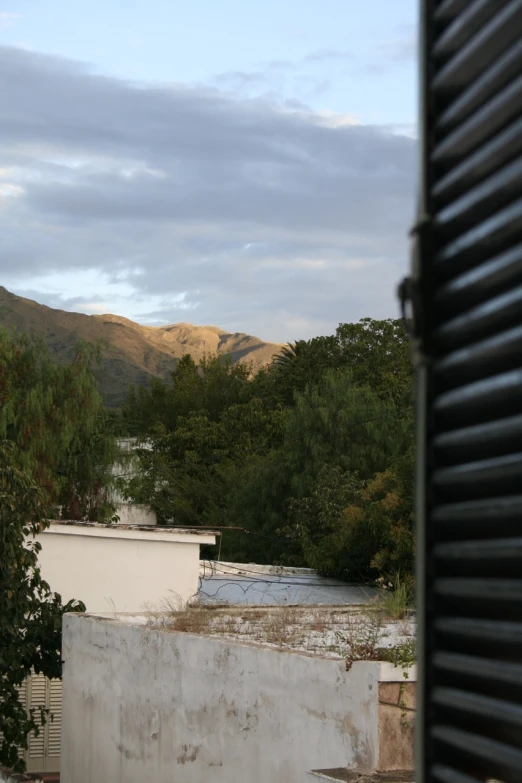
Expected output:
(30, 615)
(339, 441)
(396, 595)
(211, 386)
(378, 354)
(54, 414)
(402, 655)
(54, 452)
(313, 456)
(303, 364)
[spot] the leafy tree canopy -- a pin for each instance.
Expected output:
(54, 451)
(295, 455)
(54, 414)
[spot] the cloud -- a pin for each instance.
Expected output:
(306, 79)
(59, 301)
(8, 19)
(327, 55)
(263, 217)
(401, 49)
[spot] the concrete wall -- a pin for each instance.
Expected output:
(130, 513)
(120, 569)
(396, 719)
(142, 704)
(134, 514)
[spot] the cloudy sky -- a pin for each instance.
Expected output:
(243, 163)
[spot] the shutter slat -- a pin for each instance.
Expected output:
(463, 27)
(472, 667)
(468, 172)
(479, 128)
(485, 239)
(476, 704)
(447, 10)
(482, 441)
(483, 359)
(481, 50)
(479, 519)
(487, 318)
(481, 401)
(482, 590)
(483, 676)
(480, 552)
(492, 193)
(473, 287)
(489, 83)
(459, 482)
(448, 775)
(491, 632)
(495, 758)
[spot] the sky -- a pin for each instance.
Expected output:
(249, 165)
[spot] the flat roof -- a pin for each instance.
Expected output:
(264, 585)
(135, 532)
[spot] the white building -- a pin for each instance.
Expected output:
(121, 568)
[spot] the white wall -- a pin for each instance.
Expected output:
(134, 514)
(130, 513)
(141, 704)
(117, 568)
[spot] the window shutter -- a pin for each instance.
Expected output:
(467, 297)
(43, 754)
(37, 689)
(55, 719)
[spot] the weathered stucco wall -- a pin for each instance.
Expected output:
(118, 569)
(396, 724)
(130, 513)
(140, 704)
(134, 514)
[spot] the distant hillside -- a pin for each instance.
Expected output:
(135, 352)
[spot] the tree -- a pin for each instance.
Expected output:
(30, 614)
(302, 364)
(54, 451)
(358, 529)
(336, 437)
(337, 422)
(212, 385)
(285, 453)
(189, 472)
(287, 353)
(377, 352)
(54, 414)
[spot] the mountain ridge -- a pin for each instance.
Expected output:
(135, 352)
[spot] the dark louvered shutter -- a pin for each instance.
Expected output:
(467, 293)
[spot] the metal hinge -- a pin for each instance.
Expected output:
(409, 293)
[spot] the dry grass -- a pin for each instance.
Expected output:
(349, 633)
(282, 625)
(192, 620)
(318, 620)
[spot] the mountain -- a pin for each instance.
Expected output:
(134, 352)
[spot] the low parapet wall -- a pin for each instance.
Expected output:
(161, 705)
